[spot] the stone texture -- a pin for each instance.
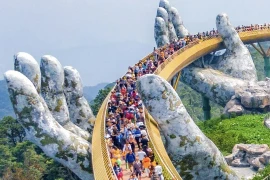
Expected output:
(27, 65)
(41, 128)
(172, 33)
(245, 155)
(52, 83)
(239, 163)
(237, 60)
(252, 97)
(194, 155)
(234, 107)
(174, 24)
(161, 36)
(179, 27)
(79, 109)
(213, 84)
(162, 13)
(166, 5)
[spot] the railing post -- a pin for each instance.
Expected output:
(267, 66)
(206, 108)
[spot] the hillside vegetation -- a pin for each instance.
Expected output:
(225, 133)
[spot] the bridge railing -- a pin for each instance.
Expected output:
(242, 34)
(100, 156)
(161, 156)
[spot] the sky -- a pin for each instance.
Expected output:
(101, 38)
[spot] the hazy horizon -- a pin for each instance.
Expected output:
(102, 38)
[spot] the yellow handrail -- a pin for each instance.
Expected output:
(102, 167)
(101, 162)
(161, 156)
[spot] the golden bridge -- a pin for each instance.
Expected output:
(172, 66)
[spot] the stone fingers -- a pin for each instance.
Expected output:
(27, 65)
(79, 109)
(179, 27)
(173, 28)
(52, 90)
(161, 33)
(193, 154)
(237, 60)
(41, 128)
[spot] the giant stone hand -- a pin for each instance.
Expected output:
(229, 80)
(192, 153)
(168, 24)
(43, 99)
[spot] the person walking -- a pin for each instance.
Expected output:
(141, 154)
(146, 162)
(118, 171)
(137, 168)
(126, 149)
(137, 134)
(158, 171)
(130, 159)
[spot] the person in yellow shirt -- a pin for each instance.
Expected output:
(113, 160)
(116, 153)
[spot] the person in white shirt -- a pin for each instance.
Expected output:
(130, 124)
(158, 170)
(141, 154)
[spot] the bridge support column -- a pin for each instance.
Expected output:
(177, 79)
(206, 108)
(172, 81)
(267, 66)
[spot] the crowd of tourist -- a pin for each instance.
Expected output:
(125, 126)
(127, 137)
(126, 133)
(252, 27)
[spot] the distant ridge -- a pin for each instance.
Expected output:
(90, 92)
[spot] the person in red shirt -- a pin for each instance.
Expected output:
(123, 90)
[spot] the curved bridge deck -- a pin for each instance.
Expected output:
(102, 166)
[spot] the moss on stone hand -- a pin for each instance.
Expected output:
(49, 140)
(186, 165)
(59, 105)
(81, 158)
(25, 112)
(183, 140)
(82, 114)
(73, 84)
(172, 136)
(225, 168)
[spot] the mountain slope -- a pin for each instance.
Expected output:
(5, 104)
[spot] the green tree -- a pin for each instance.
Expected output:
(22, 160)
(97, 102)
(192, 101)
(12, 130)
